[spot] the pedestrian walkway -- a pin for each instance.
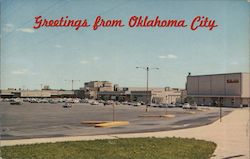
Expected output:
(231, 136)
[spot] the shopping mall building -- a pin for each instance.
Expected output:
(230, 89)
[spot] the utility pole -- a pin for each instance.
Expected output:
(72, 83)
(220, 113)
(147, 92)
(41, 90)
(113, 112)
(220, 104)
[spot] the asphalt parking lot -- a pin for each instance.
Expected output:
(32, 120)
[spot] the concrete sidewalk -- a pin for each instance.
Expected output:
(231, 136)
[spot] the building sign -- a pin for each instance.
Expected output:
(232, 81)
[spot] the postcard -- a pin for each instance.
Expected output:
(124, 79)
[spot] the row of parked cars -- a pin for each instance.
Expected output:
(175, 105)
(69, 101)
(12, 101)
(41, 100)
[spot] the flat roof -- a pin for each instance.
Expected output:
(215, 96)
(220, 74)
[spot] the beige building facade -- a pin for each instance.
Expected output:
(140, 94)
(93, 87)
(231, 89)
(157, 95)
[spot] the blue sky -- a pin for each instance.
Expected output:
(52, 55)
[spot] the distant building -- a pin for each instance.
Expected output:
(46, 87)
(230, 89)
(91, 88)
(139, 94)
(157, 95)
(103, 90)
(116, 87)
(10, 93)
(114, 95)
(37, 94)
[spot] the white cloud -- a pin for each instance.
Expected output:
(234, 63)
(26, 30)
(58, 46)
(162, 57)
(8, 28)
(90, 60)
(20, 71)
(84, 62)
(169, 56)
(33, 74)
(96, 58)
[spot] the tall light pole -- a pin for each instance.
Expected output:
(72, 83)
(220, 103)
(147, 92)
(41, 90)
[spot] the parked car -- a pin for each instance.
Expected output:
(53, 102)
(26, 100)
(163, 105)
(171, 105)
(108, 102)
(33, 101)
(101, 101)
(43, 101)
(84, 101)
(16, 103)
(186, 106)
(67, 105)
(136, 104)
(125, 103)
(142, 103)
(94, 103)
(130, 103)
(178, 105)
(193, 106)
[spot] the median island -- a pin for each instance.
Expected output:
(125, 148)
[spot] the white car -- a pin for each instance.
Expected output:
(186, 106)
(84, 101)
(94, 103)
(136, 104)
(125, 102)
